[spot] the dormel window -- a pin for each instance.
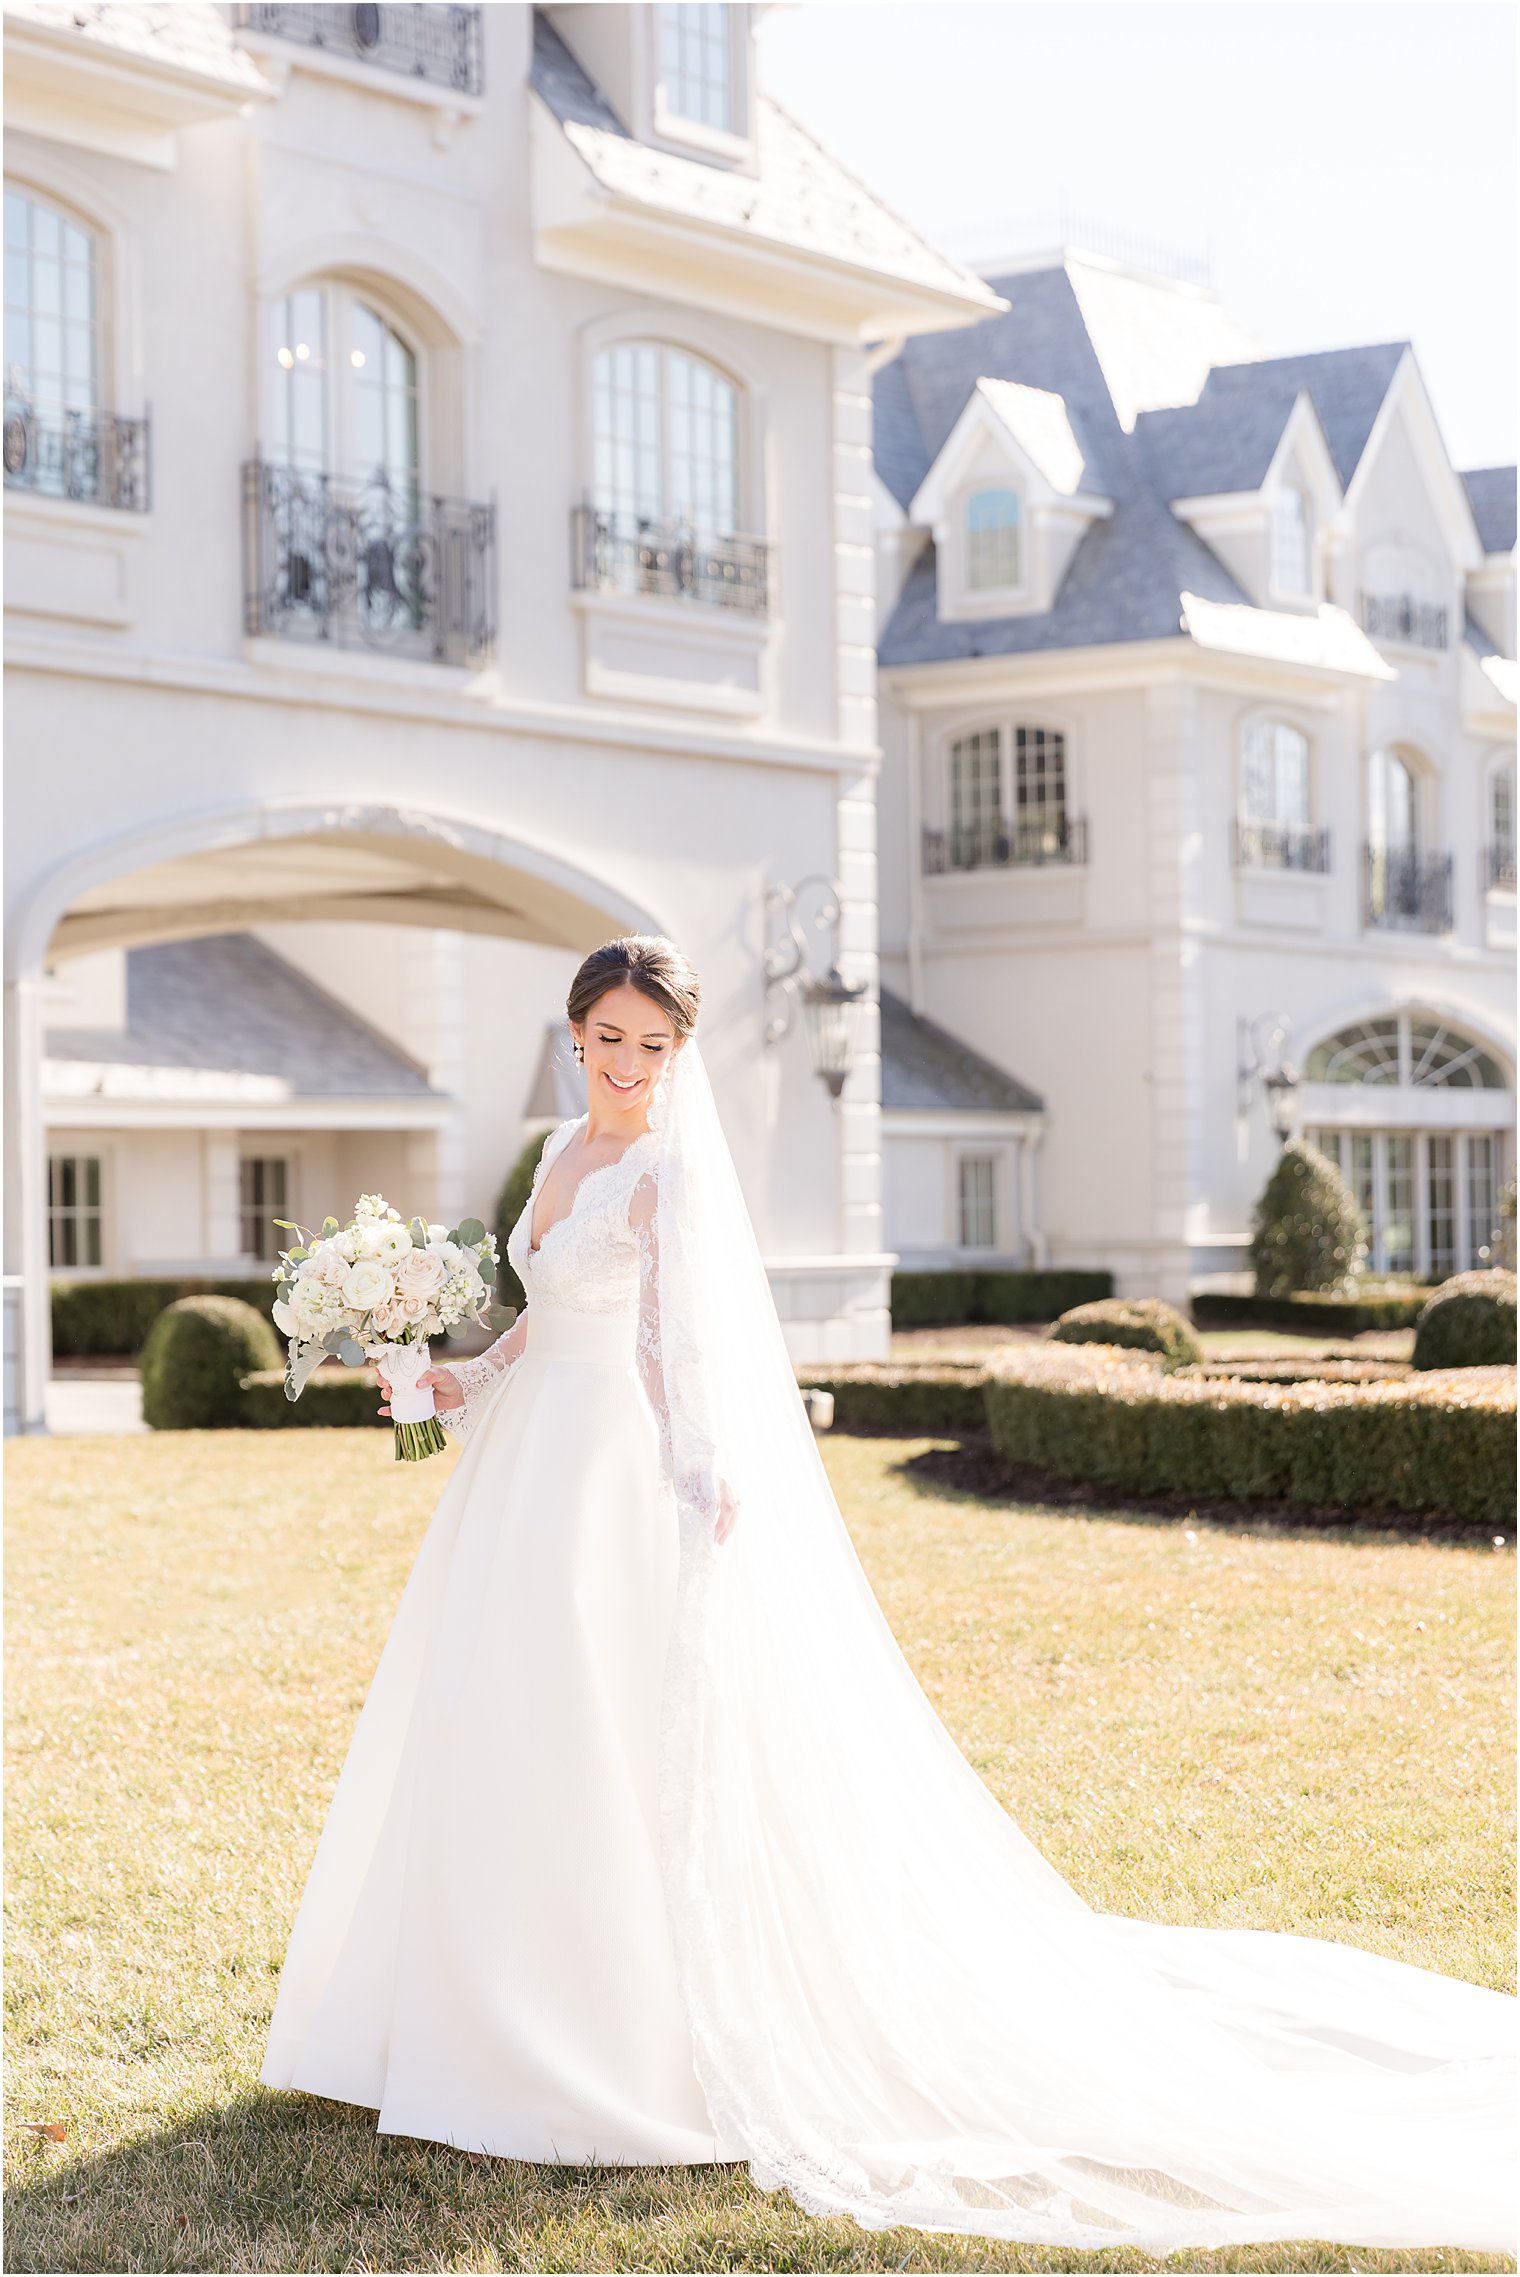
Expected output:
(666, 512)
(697, 66)
(1272, 830)
(344, 542)
(994, 541)
(62, 439)
(1292, 549)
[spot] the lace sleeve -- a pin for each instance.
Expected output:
(686, 1449)
(480, 1377)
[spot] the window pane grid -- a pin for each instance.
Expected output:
(666, 440)
(978, 1201)
(74, 1210)
(1290, 542)
(264, 1188)
(1039, 789)
(1430, 1198)
(696, 63)
(51, 316)
(992, 540)
(1274, 777)
(976, 798)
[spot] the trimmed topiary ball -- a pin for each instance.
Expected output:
(1308, 1232)
(1146, 1324)
(193, 1364)
(1468, 1322)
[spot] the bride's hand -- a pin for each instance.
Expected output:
(728, 1512)
(447, 1390)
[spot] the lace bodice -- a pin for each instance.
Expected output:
(596, 1257)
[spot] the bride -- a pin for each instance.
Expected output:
(648, 1848)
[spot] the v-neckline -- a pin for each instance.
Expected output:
(584, 1180)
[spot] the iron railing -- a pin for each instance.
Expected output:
(615, 553)
(91, 456)
(1499, 865)
(1407, 891)
(374, 564)
(1264, 846)
(997, 845)
(1399, 616)
(424, 39)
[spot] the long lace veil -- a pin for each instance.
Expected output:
(899, 2009)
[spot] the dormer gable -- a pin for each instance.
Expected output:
(1274, 536)
(1007, 502)
(1411, 540)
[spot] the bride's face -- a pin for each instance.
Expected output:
(629, 1042)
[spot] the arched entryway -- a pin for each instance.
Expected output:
(218, 875)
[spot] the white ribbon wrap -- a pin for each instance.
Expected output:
(401, 1365)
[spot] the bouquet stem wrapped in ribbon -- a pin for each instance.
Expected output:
(377, 1289)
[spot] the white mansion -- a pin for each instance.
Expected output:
(441, 532)
(438, 537)
(1198, 705)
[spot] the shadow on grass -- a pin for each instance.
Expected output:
(270, 2181)
(968, 1466)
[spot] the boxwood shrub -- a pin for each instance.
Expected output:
(193, 1364)
(335, 1398)
(957, 1299)
(1143, 1324)
(114, 1317)
(1313, 1315)
(1468, 1323)
(919, 1400)
(1438, 1443)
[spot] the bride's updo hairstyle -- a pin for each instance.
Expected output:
(649, 963)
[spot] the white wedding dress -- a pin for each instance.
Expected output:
(648, 1849)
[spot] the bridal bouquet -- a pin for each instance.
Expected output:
(377, 1289)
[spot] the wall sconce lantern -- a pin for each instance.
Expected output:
(830, 1003)
(1263, 1067)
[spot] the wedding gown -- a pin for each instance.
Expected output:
(648, 1848)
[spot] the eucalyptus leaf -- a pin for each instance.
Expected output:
(335, 1339)
(350, 1353)
(295, 1255)
(470, 1231)
(330, 1226)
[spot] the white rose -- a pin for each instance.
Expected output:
(367, 1284)
(420, 1272)
(386, 1320)
(395, 1243)
(437, 1234)
(327, 1264)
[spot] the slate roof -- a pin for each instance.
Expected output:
(187, 35)
(1126, 579)
(924, 1067)
(228, 1004)
(1226, 440)
(802, 197)
(1491, 495)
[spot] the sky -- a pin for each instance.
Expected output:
(1348, 167)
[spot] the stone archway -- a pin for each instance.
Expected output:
(233, 868)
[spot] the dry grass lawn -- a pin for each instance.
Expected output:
(1196, 1722)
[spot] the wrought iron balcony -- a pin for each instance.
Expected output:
(370, 565)
(1407, 891)
(1031, 844)
(91, 456)
(1263, 846)
(1499, 866)
(625, 554)
(1399, 616)
(424, 39)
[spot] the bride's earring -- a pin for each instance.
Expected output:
(580, 1052)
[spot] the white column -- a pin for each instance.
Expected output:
(28, 1322)
(1175, 842)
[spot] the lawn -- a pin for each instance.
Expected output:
(1197, 1721)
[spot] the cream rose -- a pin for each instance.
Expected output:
(420, 1272)
(367, 1284)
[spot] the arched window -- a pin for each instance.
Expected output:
(1501, 825)
(1291, 542)
(1273, 830)
(994, 556)
(1430, 1195)
(52, 313)
(345, 392)
(666, 513)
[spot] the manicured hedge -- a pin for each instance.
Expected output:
(1287, 1370)
(1141, 1324)
(1439, 1443)
(1313, 1315)
(953, 1300)
(335, 1398)
(1468, 1323)
(928, 1400)
(193, 1364)
(115, 1316)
